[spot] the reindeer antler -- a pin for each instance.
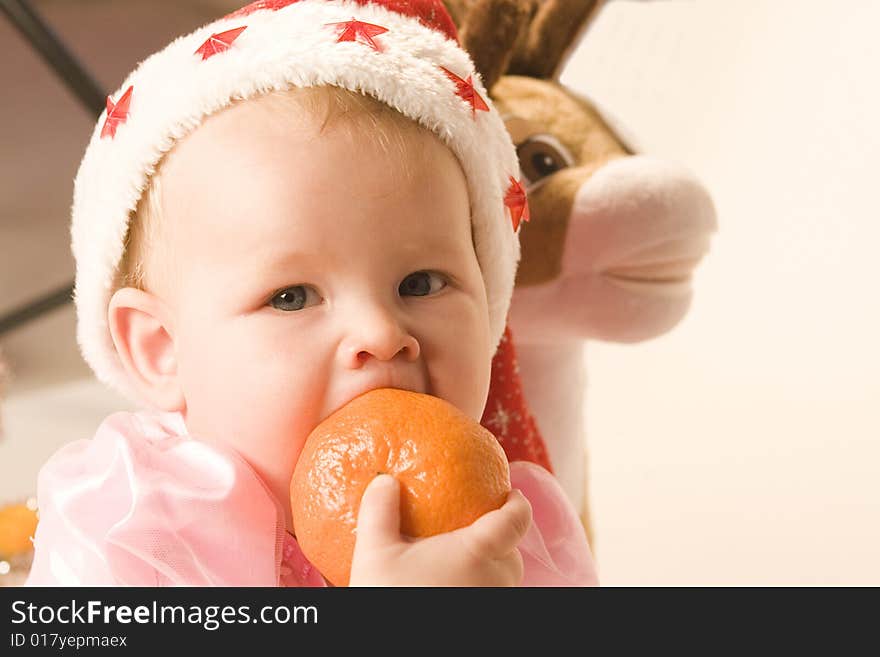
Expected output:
(458, 9)
(489, 30)
(555, 29)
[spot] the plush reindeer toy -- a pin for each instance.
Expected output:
(611, 244)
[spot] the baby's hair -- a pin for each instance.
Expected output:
(332, 106)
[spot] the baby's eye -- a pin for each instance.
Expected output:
(421, 283)
(295, 298)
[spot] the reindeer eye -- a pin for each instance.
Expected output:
(541, 156)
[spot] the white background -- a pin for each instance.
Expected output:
(744, 446)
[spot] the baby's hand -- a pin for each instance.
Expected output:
(482, 554)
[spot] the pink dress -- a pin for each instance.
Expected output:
(144, 504)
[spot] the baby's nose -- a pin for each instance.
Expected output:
(380, 335)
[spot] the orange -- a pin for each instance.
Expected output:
(18, 522)
(451, 471)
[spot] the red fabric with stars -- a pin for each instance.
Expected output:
(430, 13)
(465, 90)
(516, 201)
(507, 415)
(117, 113)
(219, 42)
(355, 30)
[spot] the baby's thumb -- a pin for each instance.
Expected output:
(378, 522)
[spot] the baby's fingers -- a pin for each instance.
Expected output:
(513, 568)
(378, 523)
(497, 533)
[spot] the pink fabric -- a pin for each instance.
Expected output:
(296, 570)
(143, 504)
(555, 550)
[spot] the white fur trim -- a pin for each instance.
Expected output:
(175, 90)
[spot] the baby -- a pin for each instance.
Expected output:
(303, 231)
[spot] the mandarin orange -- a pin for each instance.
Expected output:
(18, 523)
(450, 468)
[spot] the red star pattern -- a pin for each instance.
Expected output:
(515, 200)
(465, 89)
(507, 415)
(220, 42)
(117, 113)
(355, 30)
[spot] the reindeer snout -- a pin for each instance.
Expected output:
(640, 220)
(636, 230)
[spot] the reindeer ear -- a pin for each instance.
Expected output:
(553, 33)
(489, 31)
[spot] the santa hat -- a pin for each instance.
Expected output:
(405, 53)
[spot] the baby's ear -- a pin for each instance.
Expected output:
(140, 324)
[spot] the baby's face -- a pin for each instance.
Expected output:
(310, 269)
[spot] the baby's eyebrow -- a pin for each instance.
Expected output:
(433, 247)
(286, 260)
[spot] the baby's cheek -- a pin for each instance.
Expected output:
(462, 364)
(262, 409)
(277, 432)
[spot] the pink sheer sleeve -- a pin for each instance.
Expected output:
(142, 504)
(555, 550)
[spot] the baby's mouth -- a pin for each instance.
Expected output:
(383, 379)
